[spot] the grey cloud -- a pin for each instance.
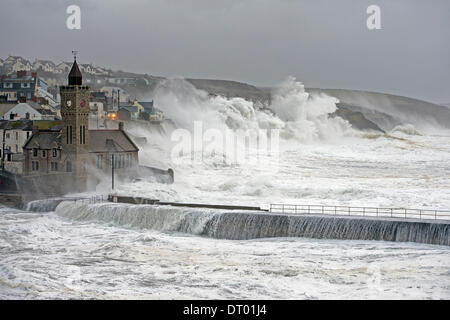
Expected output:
(322, 43)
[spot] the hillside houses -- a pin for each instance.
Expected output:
(16, 63)
(52, 73)
(44, 65)
(86, 68)
(39, 80)
(24, 85)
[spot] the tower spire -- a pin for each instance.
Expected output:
(75, 77)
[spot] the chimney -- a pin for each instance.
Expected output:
(121, 126)
(34, 74)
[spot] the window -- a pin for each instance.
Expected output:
(54, 166)
(28, 134)
(7, 136)
(25, 85)
(8, 85)
(17, 148)
(69, 135)
(44, 153)
(35, 165)
(82, 134)
(68, 166)
(35, 152)
(17, 135)
(55, 152)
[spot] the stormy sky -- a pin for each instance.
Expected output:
(322, 43)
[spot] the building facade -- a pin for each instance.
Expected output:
(73, 156)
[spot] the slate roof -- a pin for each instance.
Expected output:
(99, 141)
(133, 109)
(44, 140)
(5, 107)
(110, 140)
(16, 125)
(146, 104)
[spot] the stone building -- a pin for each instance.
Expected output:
(74, 157)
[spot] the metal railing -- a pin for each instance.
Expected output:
(361, 211)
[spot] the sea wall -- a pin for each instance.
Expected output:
(234, 225)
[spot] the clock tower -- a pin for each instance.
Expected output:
(75, 131)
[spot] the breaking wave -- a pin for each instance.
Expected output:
(299, 115)
(408, 129)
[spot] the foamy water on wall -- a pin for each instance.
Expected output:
(47, 256)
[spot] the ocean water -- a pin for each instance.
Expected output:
(45, 256)
(83, 251)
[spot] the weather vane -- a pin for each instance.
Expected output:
(75, 52)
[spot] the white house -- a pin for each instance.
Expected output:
(15, 134)
(63, 67)
(44, 65)
(28, 110)
(18, 63)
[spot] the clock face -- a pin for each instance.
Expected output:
(69, 103)
(82, 103)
